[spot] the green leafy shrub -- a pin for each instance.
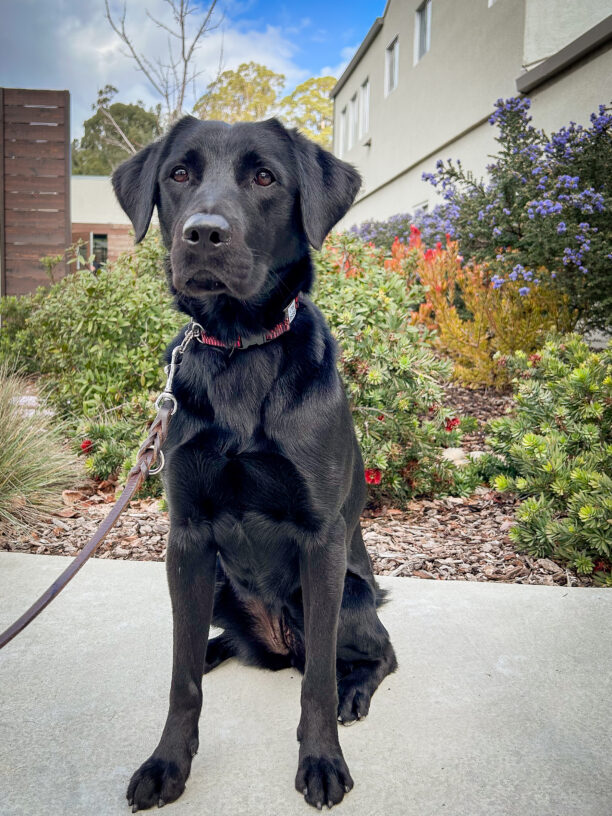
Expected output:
(16, 347)
(100, 337)
(34, 463)
(394, 380)
(98, 341)
(557, 451)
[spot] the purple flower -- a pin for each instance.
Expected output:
(524, 290)
(561, 228)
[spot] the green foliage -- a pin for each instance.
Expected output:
(557, 451)
(246, 95)
(310, 109)
(98, 341)
(34, 464)
(16, 347)
(100, 337)
(102, 147)
(394, 381)
(253, 92)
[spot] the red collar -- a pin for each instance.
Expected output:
(257, 340)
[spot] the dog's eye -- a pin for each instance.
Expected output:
(179, 174)
(264, 177)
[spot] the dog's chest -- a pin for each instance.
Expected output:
(227, 447)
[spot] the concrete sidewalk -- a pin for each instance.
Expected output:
(501, 705)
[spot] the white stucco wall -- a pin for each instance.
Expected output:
(441, 105)
(92, 201)
(550, 25)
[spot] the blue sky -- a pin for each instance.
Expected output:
(322, 31)
(68, 44)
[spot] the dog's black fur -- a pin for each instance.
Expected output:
(264, 477)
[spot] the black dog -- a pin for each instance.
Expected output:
(264, 477)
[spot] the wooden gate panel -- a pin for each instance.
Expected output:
(34, 184)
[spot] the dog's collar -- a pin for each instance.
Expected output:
(289, 312)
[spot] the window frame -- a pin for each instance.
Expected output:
(423, 13)
(364, 108)
(392, 57)
(342, 131)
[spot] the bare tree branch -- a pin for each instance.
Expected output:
(170, 79)
(130, 147)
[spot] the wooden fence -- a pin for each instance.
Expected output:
(34, 185)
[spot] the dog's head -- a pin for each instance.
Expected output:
(236, 203)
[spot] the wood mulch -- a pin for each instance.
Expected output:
(462, 539)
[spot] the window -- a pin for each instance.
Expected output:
(353, 122)
(342, 133)
(422, 31)
(99, 249)
(364, 108)
(392, 66)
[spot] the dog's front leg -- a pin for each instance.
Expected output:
(191, 563)
(323, 776)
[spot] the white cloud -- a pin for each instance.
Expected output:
(346, 55)
(68, 44)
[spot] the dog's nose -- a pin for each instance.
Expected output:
(206, 229)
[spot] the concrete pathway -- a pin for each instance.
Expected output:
(501, 705)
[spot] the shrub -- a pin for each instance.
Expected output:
(98, 340)
(557, 452)
(34, 464)
(16, 347)
(478, 321)
(393, 379)
(546, 204)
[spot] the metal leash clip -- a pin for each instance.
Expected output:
(194, 330)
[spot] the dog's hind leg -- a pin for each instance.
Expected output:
(250, 632)
(365, 654)
(218, 649)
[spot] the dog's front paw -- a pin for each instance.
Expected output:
(323, 779)
(156, 782)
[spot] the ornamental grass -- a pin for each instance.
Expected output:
(35, 464)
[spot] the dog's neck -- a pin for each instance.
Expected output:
(228, 319)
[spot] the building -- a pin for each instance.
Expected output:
(422, 84)
(98, 220)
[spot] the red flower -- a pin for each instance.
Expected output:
(439, 246)
(86, 445)
(381, 417)
(429, 255)
(373, 476)
(451, 423)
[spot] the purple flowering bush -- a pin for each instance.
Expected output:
(547, 203)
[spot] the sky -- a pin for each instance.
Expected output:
(68, 44)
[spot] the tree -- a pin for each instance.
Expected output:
(310, 109)
(113, 133)
(246, 95)
(172, 76)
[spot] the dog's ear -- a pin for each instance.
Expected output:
(327, 186)
(135, 185)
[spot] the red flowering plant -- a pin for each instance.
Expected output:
(393, 379)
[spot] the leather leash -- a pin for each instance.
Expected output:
(150, 452)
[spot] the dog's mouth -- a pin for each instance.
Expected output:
(204, 286)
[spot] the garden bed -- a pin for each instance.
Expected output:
(460, 539)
